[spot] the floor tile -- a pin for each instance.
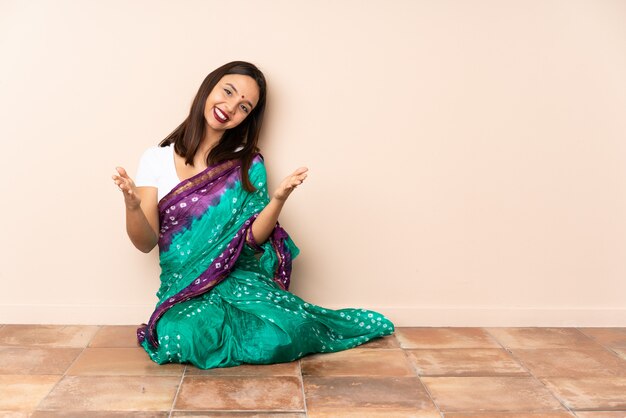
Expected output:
(465, 362)
(542, 338)
(590, 392)
(14, 414)
(23, 392)
(234, 393)
(115, 336)
(567, 362)
(358, 362)
(112, 393)
(121, 361)
(490, 394)
(466, 370)
(36, 360)
(510, 415)
(609, 337)
(373, 413)
(361, 394)
(418, 337)
(47, 335)
(388, 341)
(99, 414)
(209, 414)
(620, 352)
(291, 368)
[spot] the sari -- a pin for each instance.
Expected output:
(224, 299)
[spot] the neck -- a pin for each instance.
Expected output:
(211, 138)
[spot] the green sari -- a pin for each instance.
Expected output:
(223, 298)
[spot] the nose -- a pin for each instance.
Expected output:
(230, 105)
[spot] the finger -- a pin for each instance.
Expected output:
(122, 172)
(300, 170)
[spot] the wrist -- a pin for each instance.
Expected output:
(278, 201)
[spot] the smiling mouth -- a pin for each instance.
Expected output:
(219, 115)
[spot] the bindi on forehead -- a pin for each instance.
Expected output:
(236, 91)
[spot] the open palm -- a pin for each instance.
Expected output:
(290, 182)
(127, 185)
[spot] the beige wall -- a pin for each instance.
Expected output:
(467, 158)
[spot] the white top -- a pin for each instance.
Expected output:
(157, 169)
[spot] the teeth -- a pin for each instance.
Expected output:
(220, 114)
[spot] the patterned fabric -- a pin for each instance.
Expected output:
(223, 298)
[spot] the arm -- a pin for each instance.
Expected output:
(142, 217)
(265, 222)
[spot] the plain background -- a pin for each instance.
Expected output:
(467, 158)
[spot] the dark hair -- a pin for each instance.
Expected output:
(187, 137)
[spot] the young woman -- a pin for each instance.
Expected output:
(202, 197)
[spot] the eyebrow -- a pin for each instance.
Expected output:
(233, 87)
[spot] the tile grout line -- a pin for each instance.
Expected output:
(68, 367)
(419, 378)
(607, 348)
(180, 384)
(521, 363)
(306, 413)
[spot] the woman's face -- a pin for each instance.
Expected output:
(232, 99)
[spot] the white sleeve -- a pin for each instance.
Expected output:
(148, 168)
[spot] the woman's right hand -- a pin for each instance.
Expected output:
(127, 186)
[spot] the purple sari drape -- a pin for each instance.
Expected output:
(205, 222)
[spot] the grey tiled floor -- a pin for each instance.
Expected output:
(100, 371)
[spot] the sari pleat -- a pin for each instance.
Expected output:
(224, 298)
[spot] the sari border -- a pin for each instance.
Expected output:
(202, 176)
(196, 180)
(251, 241)
(282, 275)
(217, 271)
(214, 274)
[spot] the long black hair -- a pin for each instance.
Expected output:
(189, 134)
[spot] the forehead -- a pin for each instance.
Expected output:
(244, 84)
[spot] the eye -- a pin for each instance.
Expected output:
(228, 92)
(245, 109)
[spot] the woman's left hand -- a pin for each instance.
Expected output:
(290, 183)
